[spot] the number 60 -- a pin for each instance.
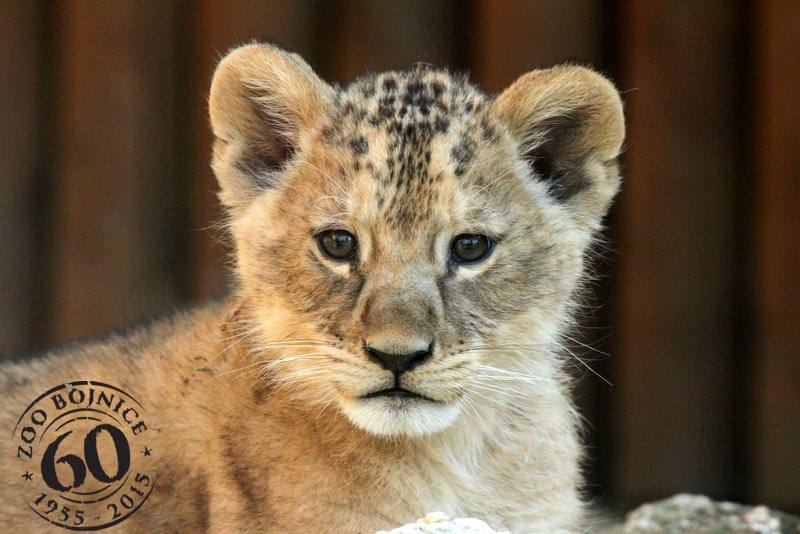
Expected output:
(92, 459)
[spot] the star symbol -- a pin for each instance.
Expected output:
(28, 475)
(146, 451)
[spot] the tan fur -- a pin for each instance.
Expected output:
(256, 399)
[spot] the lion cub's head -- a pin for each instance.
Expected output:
(405, 240)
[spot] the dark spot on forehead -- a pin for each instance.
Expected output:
(328, 133)
(359, 146)
(368, 89)
(414, 87)
(411, 108)
(462, 153)
(417, 95)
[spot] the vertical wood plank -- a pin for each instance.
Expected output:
(515, 36)
(385, 35)
(113, 164)
(677, 278)
(20, 121)
(212, 28)
(511, 38)
(775, 469)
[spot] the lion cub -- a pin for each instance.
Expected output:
(408, 251)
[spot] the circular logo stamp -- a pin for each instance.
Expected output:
(83, 455)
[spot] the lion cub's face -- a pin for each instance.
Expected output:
(405, 241)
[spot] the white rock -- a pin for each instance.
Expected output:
(439, 523)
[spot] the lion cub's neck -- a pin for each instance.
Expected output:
(520, 440)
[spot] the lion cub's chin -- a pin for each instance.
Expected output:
(387, 416)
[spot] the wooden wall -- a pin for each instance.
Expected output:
(107, 205)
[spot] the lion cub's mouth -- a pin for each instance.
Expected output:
(397, 393)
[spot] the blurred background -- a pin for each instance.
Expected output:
(107, 200)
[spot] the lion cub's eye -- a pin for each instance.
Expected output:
(470, 248)
(337, 244)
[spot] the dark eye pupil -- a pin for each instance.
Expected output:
(338, 244)
(470, 248)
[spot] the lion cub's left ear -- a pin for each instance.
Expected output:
(570, 126)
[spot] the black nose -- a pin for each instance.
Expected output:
(399, 363)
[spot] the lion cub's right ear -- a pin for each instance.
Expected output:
(262, 98)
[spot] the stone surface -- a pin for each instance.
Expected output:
(698, 514)
(681, 514)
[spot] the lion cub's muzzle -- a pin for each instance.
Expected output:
(399, 323)
(398, 363)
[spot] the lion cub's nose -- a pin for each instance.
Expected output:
(399, 363)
